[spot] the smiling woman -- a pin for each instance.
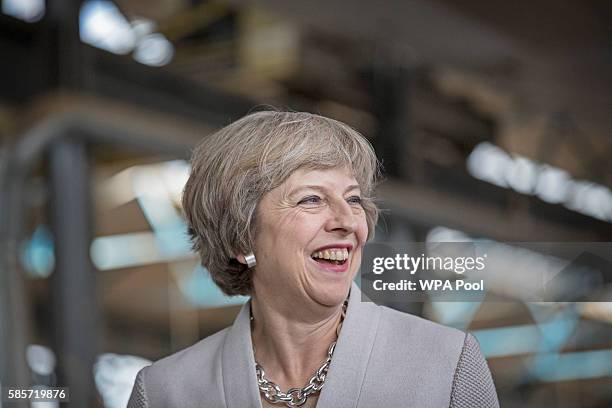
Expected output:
(279, 206)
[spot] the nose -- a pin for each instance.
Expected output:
(342, 218)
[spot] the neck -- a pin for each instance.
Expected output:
(291, 347)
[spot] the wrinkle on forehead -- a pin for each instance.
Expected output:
(307, 178)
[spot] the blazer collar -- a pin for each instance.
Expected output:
(238, 364)
(349, 364)
(346, 372)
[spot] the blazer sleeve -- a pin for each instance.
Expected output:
(138, 398)
(473, 385)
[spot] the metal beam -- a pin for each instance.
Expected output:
(74, 286)
(389, 86)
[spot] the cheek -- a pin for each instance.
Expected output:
(293, 232)
(306, 224)
(362, 230)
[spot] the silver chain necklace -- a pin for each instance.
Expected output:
(295, 397)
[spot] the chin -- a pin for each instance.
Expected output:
(328, 288)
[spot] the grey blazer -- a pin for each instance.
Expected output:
(383, 358)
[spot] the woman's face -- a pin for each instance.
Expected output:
(308, 238)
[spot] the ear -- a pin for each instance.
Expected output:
(240, 258)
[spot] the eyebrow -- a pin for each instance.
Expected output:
(320, 188)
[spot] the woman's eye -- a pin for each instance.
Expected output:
(310, 200)
(354, 200)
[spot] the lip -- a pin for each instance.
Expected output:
(338, 245)
(331, 267)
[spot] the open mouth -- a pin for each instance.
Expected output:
(331, 256)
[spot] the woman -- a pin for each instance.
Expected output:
(279, 207)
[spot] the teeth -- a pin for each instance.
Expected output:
(334, 254)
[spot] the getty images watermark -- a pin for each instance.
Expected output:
(393, 272)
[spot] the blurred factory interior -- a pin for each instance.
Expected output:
(492, 119)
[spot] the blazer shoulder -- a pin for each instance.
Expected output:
(203, 350)
(414, 355)
(172, 380)
(427, 343)
(412, 325)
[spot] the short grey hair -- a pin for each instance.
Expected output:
(233, 168)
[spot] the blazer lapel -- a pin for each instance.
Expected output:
(238, 364)
(349, 364)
